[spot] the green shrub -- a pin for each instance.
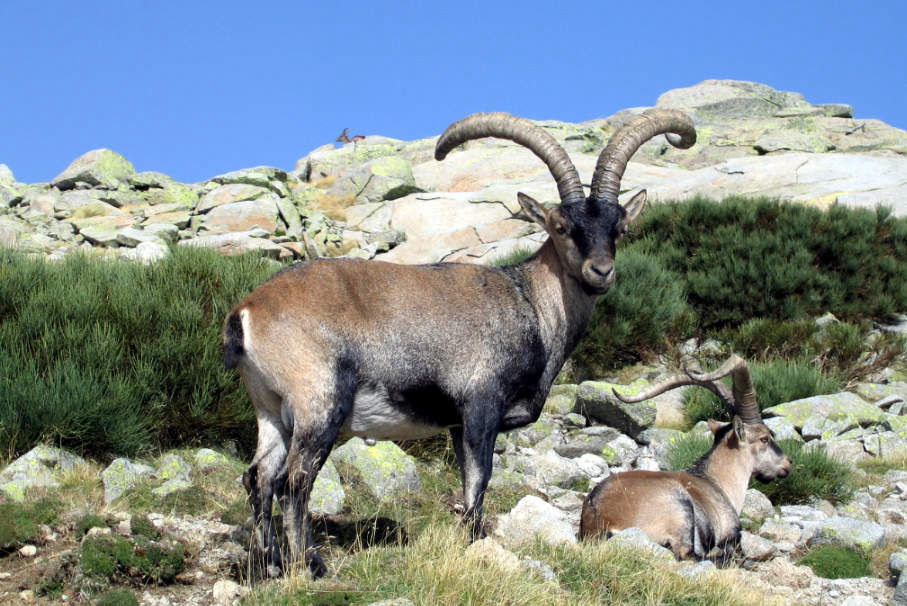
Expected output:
(687, 450)
(638, 316)
(142, 526)
(763, 338)
(117, 597)
(20, 522)
(117, 357)
(108, 558)
(835, 562)
(744, 258)
(815, 474)
(775, 382)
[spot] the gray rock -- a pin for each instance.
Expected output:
(637, 539)
(777, 531)
(590, 440)
(237, 244)
(172, 486)
(207, 459)
(148, 252)
(262, 213)
(900, 591)
(897, 562)
(850, 532)
(755, 547)
(551, 469)
(120, 476)
(846, 406)
(385, 469)
(99, 167)
(783, 428)
(270, 177)
(756, 506)
(229, 194)
(173, 467)
(132, 237)
(39, 467)
(533, 518)
(327, 494)
(698, 569)
(384, 178)
(595, 399)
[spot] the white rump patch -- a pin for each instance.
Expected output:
(246, 333)
(375, 417)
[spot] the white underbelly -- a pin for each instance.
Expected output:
(373, 416)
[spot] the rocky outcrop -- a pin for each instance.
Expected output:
(386, 198)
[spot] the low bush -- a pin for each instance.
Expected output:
(109, 558)
(775, 381)
(117, 357)
(836, 562)
(815, 474)
(20, 522)
(744, 258)
(117, 597)
(687, 450)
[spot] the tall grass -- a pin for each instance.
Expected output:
(775, 381)
(116, 357)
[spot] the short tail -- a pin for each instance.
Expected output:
(233, 341)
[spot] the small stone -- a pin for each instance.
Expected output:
(227, 592)
(755, 547)
(27, 596)
(756, 506)
(490, 551)
(98, 531)
(636, 538)
(28, 551)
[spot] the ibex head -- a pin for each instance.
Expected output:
(584, 230)
(746, 434)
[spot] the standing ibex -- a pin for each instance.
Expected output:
(695, 510)
(383, 351)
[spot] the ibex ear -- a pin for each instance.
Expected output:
(739, 429)
(714, 425)
(533, 209)
(634, 206)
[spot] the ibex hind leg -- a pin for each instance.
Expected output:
(262, 480)
(309, 449)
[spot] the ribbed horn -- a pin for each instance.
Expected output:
(680, 380)
(744, 392)
(612, 162)
(524, 132)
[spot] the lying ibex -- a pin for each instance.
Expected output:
(693, 511)
(348, 347)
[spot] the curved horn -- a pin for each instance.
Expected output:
(744, 392)
(681, 380)
(524, 132)
(612, 162)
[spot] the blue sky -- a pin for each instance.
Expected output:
(194, 89)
